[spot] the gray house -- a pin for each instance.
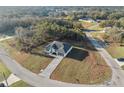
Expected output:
(57, 48)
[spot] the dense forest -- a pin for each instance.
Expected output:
(48, 30)
(12, 17)
(37, 25)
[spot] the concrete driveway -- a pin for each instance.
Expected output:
(32, 78)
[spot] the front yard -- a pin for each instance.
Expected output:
(96, 28)
(82, 67)
(86, 24)
(116, 51)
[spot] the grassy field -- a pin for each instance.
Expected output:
(32, 62)
(3, 69)
(98, 35)
(122, 67)
(96, 27)
(82, 67)
(116, 51)
(20, 84)
(87, 24)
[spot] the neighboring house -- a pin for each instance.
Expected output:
(57, 48)
(88, 20)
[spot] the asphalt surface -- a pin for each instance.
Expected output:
(32, 78)
(39, 81)
(117, 72)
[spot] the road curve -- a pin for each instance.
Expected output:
(32, 78)
(117, 72)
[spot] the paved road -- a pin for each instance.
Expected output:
(119, 63)
(9, 37)
(36, 80)
(32, 78)
(117, 72)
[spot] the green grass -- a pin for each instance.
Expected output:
(122, 67)
(32, 62)
(116, 51)
(96, 27)
(98, 35)
(3, 69)
(87, 24)
(20, 84)
(82, 68)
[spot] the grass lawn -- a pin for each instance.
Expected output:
(98, 35)
(87, 24)
(3, 69)
(116, 51)
(32, 62)
(122, 67)
(96, 27)
(20, 84)
(82, 67)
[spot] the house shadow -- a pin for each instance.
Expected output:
(78, 54)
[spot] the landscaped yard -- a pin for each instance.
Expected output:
(116, 51)
(98, 35)
(32, 62)
(87, 24)
(3, 69)
(82, 67)
(96, 27)
(122, 67)
(20, 84)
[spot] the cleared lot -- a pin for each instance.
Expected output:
(83, 67)
(32, 62)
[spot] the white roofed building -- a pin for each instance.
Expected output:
(57, 48)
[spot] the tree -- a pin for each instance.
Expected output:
(48, 30)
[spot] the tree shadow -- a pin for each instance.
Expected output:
(78, 54)
(85, 43)
(99, 43)
(88, 30)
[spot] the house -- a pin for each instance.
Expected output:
(57, 48)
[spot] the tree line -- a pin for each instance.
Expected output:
(48, 30)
